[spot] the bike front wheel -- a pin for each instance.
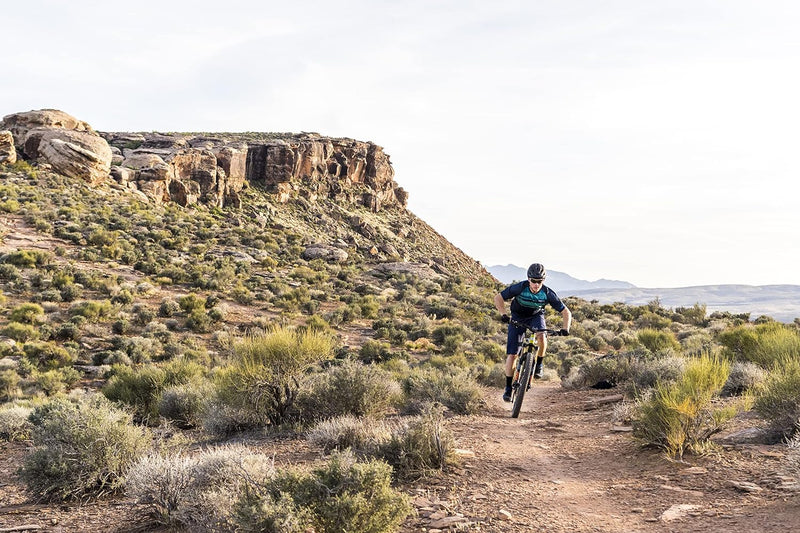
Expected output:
(522, 386)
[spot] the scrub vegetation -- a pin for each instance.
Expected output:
(126, 320)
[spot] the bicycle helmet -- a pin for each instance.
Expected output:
(536, 271)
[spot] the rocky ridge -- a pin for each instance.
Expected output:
(339, 192)
(201, 168)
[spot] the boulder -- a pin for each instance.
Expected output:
(325, 252)
(19, 124)
(78, 154)
(195, 170)
(8, 153)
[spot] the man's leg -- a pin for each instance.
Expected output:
(509, 376)
(541, 342)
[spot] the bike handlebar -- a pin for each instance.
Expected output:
(553, 332)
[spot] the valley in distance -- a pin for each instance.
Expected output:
(781, 302)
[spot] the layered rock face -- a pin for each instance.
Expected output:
(189, 169)
(8, 153)
(314, 166)
(69, 145)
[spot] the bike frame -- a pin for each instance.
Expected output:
(523, 364)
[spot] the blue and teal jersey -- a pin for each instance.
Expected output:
(526, 303)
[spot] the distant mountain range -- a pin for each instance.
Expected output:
(558, 281)
(781, 302)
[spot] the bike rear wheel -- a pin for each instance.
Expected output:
(524, 378)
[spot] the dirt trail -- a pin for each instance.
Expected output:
(561, 467)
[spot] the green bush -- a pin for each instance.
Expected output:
(778, 396)
(680, 416)
(343, 495)
(764, 344)
(91, 310)
(455, 389)
(9, 384)
(20, 332)
(349, 388)
(183, 404)
(27, 313)
(657, 341)
(141, 388)
(48, 355)
(191, 302)
(263, 379)
(57, 380)
(28, 258)
(80, 449)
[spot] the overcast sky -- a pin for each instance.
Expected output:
(654, 142)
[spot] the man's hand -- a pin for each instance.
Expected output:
(563, 332)
(505, 319)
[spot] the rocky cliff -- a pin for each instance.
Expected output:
(210, 169)
(339, 193)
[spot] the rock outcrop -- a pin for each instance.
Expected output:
(315, 166)
(69, 145)
(189, 169)
(8, 153)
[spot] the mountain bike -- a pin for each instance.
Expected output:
(523, 364)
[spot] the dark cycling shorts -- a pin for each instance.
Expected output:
(515, 333)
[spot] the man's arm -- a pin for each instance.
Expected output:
(566, 318)
(500, 303)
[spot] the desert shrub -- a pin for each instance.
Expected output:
(373, 351)
(263, 379)
(143, 314)
(363, 435)
(91, 310)
(9, 384)
(763, 344)
(680, 416)
(419, 447)
(601, 372)
(190, 302)
(197, 492)
(168, 308)
(778, 396)
(456, 390)
(646, 373)
(198, 321)
(138, 349)
(349, 388)
(27, 313)
(28, 258)
(21, 332)
(343, 495)
(48, 355)
(183, 404)
(80, 448)
(14, 423)
(745, 376)
(56, 380)
(141, 388)
(656, 340)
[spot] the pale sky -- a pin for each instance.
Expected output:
(654, 142)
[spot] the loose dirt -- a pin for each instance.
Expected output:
(562, 466)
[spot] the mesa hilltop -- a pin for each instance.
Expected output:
(329, 178)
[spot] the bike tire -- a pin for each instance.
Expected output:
(524, 377)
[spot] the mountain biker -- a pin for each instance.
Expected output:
(528, 300)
